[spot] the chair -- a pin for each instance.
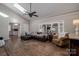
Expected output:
(61, 41)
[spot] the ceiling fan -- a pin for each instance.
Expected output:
(31, 14)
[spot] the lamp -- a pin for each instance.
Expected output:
(76, 24)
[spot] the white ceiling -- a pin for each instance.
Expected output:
(45, 9)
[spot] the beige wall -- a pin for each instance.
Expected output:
(68, 21)
(4, 28)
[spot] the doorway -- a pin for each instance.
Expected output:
(14, 30)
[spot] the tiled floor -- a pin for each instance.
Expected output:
(16, 47)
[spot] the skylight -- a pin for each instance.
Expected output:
(19, 8)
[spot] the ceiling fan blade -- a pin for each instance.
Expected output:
(33, 13)
(36, 15)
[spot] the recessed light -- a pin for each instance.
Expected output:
(3, 15)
